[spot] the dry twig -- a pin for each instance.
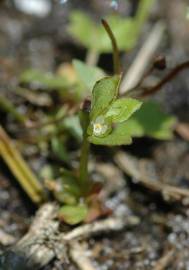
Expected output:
(36, 244)
(78, 255)
(138, 67)
(164, 261)
(19, 168)
(45, 241)
(110, 224)
(131, 166)
(173, 73)
(6, 239)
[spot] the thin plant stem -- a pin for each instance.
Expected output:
(172, 74)
(84, 161)
(116, 59)
(83, 168)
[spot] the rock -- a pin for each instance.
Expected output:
(10, 260)
(40, 8)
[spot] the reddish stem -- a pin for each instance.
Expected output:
(165, 80)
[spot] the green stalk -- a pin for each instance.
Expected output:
(116, 59)
(83, 168)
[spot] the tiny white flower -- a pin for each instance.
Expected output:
(99, 126)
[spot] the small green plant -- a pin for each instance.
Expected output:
(108, 115)
(105, 119)
(103, 122)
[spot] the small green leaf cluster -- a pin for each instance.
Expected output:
(75, 208)
(150, 120)
(109, 114)
(111, 121)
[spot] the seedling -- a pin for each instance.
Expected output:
(104, 122)
(106, 119)
(111, 120)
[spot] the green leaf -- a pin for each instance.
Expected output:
(42, 79)
(134, 128)
(82, 28)
(121, 109)
(70, 191)
(143, 11)
(70, 183)
(148, 121)
(118, 136)
(72, 124)
(126, 30)
(93, 36)
(104, 93)
(73, 214)
(65, 197)
(88, 74)
(151, 121)
(59, 149)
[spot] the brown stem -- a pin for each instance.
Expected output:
(165, 80)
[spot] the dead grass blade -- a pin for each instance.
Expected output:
(131, 166)
(20, 169)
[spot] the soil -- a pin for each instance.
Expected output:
(28, 41)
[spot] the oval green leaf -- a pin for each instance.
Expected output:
(104, 93)
(121, 109)
(73, 214)
(88, 75)
(119, 136)
(151, 121)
